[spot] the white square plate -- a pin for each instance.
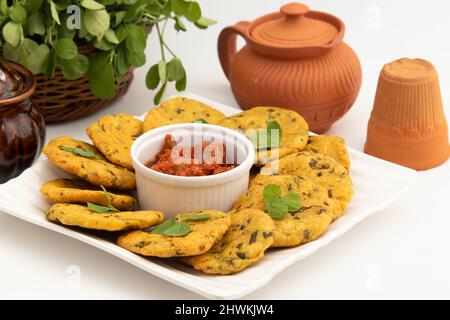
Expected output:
(377, 184)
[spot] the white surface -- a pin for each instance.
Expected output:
(401, 252)
(377, 184)
(173, 194)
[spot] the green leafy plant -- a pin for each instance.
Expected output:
(278, 206)
(45, 35)
(177, 227)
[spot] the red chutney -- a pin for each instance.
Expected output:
(192, 161)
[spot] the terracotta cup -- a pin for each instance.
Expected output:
(408, 124)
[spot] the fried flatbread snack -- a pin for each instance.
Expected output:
(295, 130)
(81, 216)
(113, 135)
(80, 192)
(203, 235)
(295, 228)
(249, 236)
(86, 162)
(320, 169)
(181, 110)
(331, 146)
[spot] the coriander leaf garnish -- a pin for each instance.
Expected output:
(199, 121)
(270, 137)
(103, 209)
(82, 152)
(278, 206)
(175, 228)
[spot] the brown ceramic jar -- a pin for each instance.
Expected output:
(294, 59)
(22, 127)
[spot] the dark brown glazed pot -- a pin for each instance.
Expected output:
(22, 127)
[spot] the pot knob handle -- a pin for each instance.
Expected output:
(294, 11)
(227, 44)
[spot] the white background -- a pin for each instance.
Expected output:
(401, 252)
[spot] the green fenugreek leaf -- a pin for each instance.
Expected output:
(80, 152)
(152, 79)
(270, 137)
(101, 209)
(189, 216)
(200, 121)
(179, 229)
(172, 228)
(277, 206)
(277, 209)
(161, 228)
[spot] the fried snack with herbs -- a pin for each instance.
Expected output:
(181, 110)
(113, 135)
(249, 236)
(295, 228)
(81, 216)
(295, 130)
(320, 169)
(332, 146)
(86, 162)
(202, 236)
(81, 192)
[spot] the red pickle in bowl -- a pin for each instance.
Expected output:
(204, 159)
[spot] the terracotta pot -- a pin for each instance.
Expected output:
(294, 59)
(22, 127)
(408, 124)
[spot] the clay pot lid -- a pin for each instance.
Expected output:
(409, 70)
(295, 26)
(16, 82)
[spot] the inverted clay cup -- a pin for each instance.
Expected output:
(408, 124)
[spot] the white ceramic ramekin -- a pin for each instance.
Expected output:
(174, 194)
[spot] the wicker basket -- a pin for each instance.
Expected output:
(61, 100)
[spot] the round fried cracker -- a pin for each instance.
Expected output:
(249, 236)
(331, 146)
(294, 128)
(81, 216)
(181, 110)
(80, 192)
(295, 228)
(320, 169)
(204, 233)
(113, 135)
(97, 171)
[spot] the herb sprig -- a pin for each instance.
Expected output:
(177, 227)
(46, 35)
(278, 206)
(103, 209)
